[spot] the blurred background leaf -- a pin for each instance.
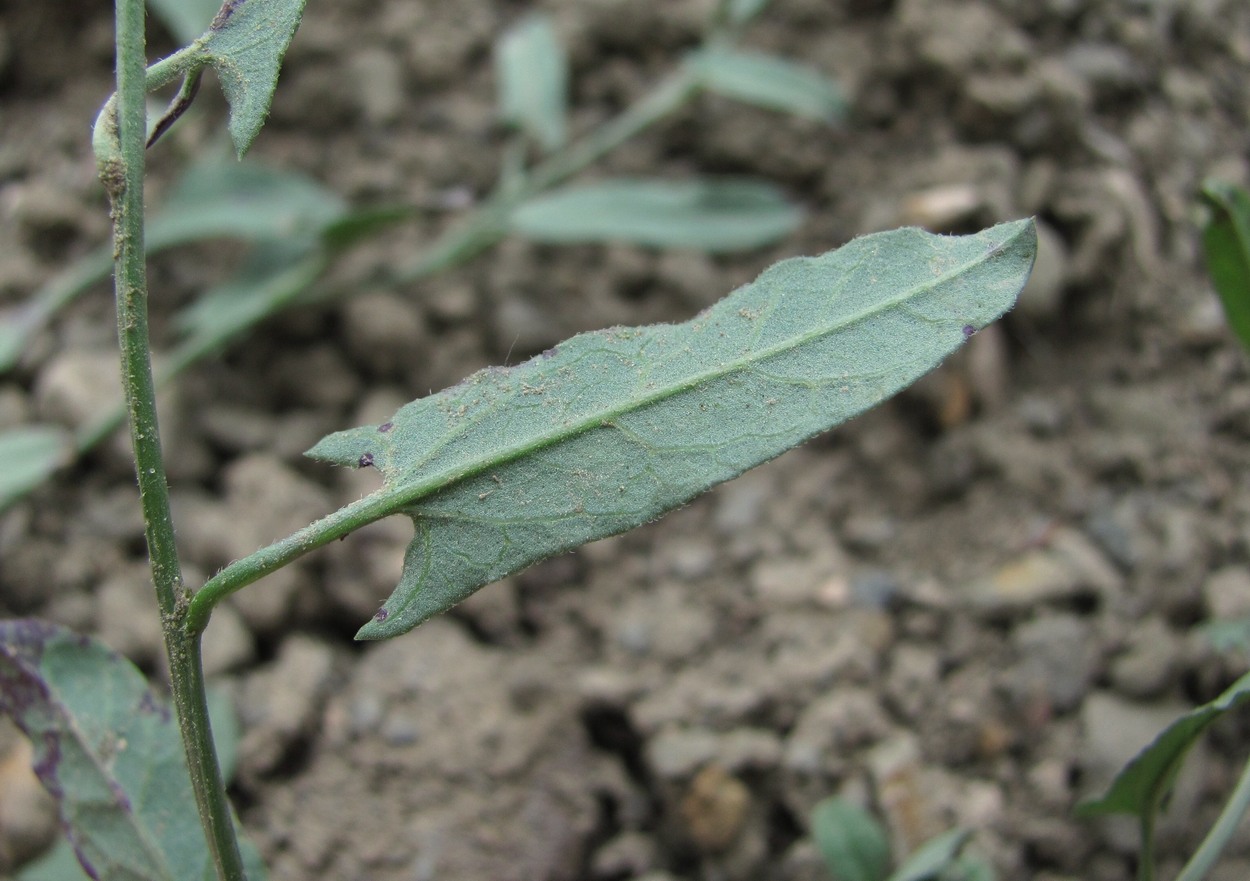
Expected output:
(28, 456)
(532, 69)
(1226, 240)
(854, 845)
(707, 215)
(768, 81)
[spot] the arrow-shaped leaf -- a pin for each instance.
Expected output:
(611, 429)
(108, 750)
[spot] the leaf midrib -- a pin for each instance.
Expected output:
(400, 497)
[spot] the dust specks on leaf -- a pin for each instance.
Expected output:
(365, 461)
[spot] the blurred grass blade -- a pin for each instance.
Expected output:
(109, 752)
(1226, 240)
(533, 72)
(854, 845)
(220, 198)
(215, 198)
(708, 215)
(28, 456)
(273, 274)
(932, 859)
(245, 44)
(1139, 789)
(609, 430)
(185, 19)
(768, 81)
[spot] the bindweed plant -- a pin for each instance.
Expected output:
(298, 230)
(599, 434)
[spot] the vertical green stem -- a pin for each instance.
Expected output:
(122, 170)
(1208, 853)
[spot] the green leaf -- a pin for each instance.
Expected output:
(708, 215)
(109, 752)
(245, 44)
(610, 429)
(854, 845)
(60, 863)
(768, 81)
(1139, 789)
(933, 858)
(533, 73)
(739, 12)
(28, 456)
(186, 19)
(1226, 239)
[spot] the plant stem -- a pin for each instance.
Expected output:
(120, 142)
(269, 559)
(1225, 826)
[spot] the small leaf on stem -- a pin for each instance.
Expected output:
(245, 44)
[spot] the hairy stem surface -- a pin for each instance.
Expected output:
(120, 141)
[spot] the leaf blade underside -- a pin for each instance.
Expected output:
(109, 752)
(611, 429)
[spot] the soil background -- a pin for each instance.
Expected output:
(968, 607)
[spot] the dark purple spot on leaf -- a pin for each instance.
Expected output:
(381, 615)
(969, 330)
(386, 426)
(366, 460)
(223, 15)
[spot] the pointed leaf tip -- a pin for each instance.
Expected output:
(245, 44)
(613, 428)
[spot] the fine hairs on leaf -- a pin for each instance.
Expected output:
(609, 430)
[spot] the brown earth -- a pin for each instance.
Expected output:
(966, 608)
